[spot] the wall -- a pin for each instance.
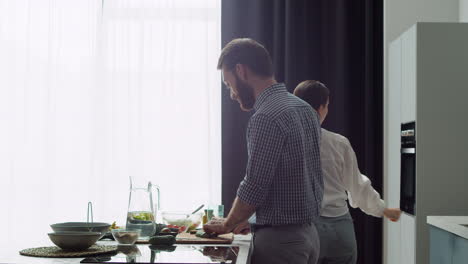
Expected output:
(463, 6)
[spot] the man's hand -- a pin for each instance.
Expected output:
(392, 213)
(238, 215)
(242, 228)
(216, 225)
(216, 220)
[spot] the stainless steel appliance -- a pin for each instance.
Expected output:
(408, 168)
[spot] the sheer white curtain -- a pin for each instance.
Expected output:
(92, 92)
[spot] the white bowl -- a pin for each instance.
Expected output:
(82, 227)
(182, 220)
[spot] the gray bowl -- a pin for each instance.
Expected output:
(74, 241)
(82, 227)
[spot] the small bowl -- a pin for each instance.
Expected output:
(185, 221)
(126, 236)
(82, 227)
(74, 241)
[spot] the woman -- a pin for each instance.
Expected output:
(342, 181)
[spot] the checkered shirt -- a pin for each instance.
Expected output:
(283, 176)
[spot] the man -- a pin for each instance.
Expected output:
(283, 182)
(340, 175)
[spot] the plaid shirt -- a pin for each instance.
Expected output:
(283, 177)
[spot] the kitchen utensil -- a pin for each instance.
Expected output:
(126, 236)
(198, 209)
(142, 209)
(81, 227)
(183, 220)
(74, 241)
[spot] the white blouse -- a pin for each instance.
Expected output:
(343, 180)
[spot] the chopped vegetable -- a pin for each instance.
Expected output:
(165, 230)
(144, 216)
(203, 234)
(114, 226)
(192, 227)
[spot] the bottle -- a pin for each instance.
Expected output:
(221, 211)
(204, 219)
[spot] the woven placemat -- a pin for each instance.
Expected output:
(56, 252)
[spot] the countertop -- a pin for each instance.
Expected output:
(9, 254)
(457, 225)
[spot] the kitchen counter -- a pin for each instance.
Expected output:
(9, 253)
(448, 239)
(457, 225)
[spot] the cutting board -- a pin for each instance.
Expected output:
(187, 238)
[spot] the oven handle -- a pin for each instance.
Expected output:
(408, 150)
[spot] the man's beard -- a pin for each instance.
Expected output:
(245, 94)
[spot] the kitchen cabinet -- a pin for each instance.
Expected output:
(460, 250)
(441, 249)
(428, 78)
(393, 248)
(408, 76)
(408, 240)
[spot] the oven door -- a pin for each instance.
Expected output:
(408, 180)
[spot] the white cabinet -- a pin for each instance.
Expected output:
(392, 242)
(407, 114)
(393, 198)
(408, 239)
(408, 76)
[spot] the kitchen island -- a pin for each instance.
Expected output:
(448, 239)
(241, 244)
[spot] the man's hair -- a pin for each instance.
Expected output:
(313, 92)
(247, 52)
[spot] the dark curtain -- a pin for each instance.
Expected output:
(338, 42)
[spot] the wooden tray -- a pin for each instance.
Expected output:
(187, 238)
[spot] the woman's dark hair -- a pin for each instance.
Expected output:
(313, 92)
(247, 52)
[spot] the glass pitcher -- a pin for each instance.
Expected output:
(142, 209)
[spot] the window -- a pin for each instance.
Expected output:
(92, 92)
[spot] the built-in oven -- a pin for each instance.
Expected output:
(408, 168)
